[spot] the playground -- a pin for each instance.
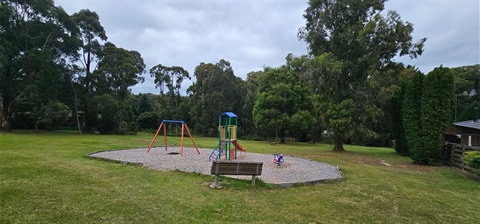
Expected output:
(293, 170)
(277, 169)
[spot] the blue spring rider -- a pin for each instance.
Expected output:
(278, 159)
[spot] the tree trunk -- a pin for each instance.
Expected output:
(86, 125)
(282, 137)
(7, 113)
(338, 146)
(88, 79)
(76, 111)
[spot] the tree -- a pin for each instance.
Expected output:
(383, 88)
(412, 113)
(107, 111)
(249, 93)
(467, 91)
(92, 32)
(398, 130)
(117, 70)
(341, 120)
(144, 104)
(148, 121)
(359, 42)
(53, 115)
(45, 87)
(465, 78)
(35, 37)
(172, 78)
(282, 104)
(274, 103)
(470, 112)
(437, 107)
(215, 91)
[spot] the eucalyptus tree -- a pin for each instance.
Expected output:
(92, 34)
(36, 38)
(118, 69)
(215, 91)
(172, 78)
(356, 39)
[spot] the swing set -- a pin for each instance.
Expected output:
(164, 125)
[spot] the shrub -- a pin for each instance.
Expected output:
(107, 111)
(53, 115)
(148, 121)
(473, 159)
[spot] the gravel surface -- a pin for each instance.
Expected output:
(293, 170)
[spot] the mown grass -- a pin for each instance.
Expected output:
(45, 178)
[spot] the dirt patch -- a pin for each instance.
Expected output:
(385, 163)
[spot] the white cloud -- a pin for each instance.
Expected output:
(253, 34)
(452, 29)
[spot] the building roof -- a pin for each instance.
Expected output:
(468, 124)
(229, 114)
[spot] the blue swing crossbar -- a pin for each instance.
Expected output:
(173, 121)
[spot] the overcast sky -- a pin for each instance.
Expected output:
(252, 34)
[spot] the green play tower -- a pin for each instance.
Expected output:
(227, 137)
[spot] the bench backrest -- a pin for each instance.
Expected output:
(236, 168)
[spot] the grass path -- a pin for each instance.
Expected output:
(45, 178)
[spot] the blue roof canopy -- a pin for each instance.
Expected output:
(229, 114)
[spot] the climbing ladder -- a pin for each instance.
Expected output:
(217, 151)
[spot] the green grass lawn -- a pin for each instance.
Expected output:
(45, 178)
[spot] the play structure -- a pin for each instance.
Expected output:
(163, 124)
(227, 137)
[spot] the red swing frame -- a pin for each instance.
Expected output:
(184, 126)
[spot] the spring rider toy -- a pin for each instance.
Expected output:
(278, 159)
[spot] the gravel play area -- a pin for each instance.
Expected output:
(293, 170)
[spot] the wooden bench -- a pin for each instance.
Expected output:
(235, 168)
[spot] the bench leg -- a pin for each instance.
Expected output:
(253, 180)
(215, 184)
